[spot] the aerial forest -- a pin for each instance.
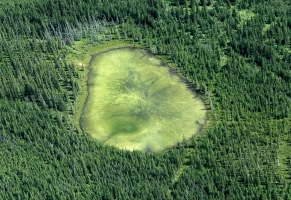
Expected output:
(235, 54)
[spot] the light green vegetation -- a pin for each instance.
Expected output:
(81, 51)
(245, 15)
(284, 158)
(136, 102)
(266, 27)
(80, 54)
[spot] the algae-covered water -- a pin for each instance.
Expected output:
(136, 102)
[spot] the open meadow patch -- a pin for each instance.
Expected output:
(137, 102)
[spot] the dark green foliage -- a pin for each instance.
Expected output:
(240, 67)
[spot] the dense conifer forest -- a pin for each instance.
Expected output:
(235, 53)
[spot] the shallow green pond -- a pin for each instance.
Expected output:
(136, 102)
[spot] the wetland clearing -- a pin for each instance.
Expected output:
(137, 102)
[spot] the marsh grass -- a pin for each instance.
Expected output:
(136, 102)
(80, 54)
